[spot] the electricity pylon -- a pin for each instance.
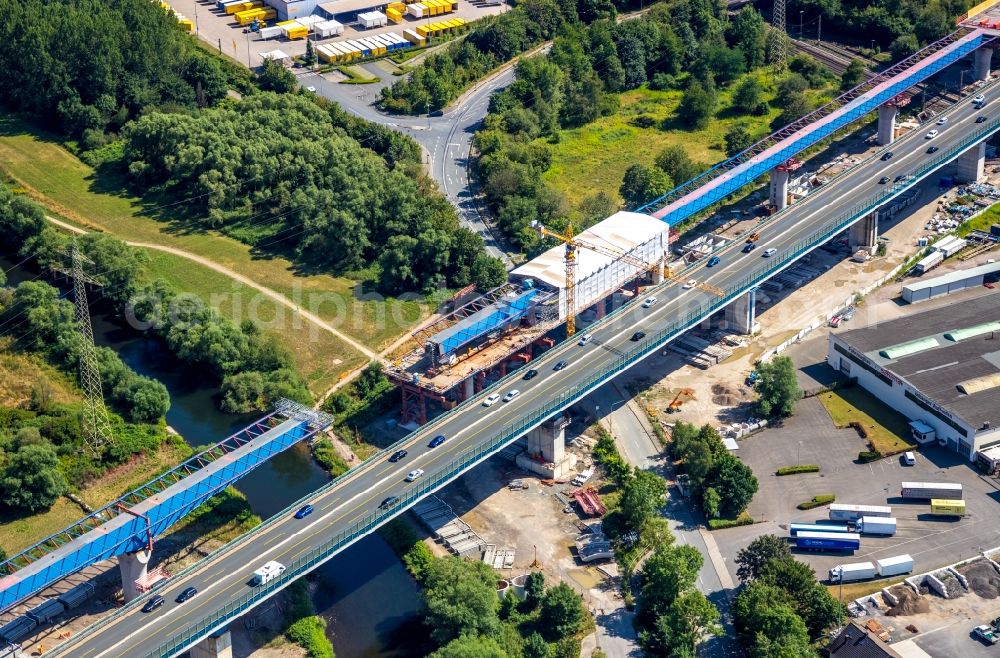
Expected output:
(778, 50)
(96, 425)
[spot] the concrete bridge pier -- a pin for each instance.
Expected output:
(216, 645)
(983, 58)
(779, 188)
(887, 124)
(741, 315)
(546, 454)
(864, 233)
(132, 567)
(971, 165)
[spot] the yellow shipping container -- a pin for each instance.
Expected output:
(298, 32)
(393, 15)
(258, 14)
(243, 6)
(186, 23)
(284, 23)
(423, 30)
(397, 6)
(942, 507)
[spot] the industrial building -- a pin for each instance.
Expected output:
(479, 342)
(940, 368)
(973, 277)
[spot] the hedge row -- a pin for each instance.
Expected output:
(822, 499)
(804, 468)
(866, 456)
(722, 524)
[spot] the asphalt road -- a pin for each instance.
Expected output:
(446, 138)
(136, 634)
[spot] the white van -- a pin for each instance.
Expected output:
(909, 458)
(267, 573)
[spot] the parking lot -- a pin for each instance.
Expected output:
(809, 437)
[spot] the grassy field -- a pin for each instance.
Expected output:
(594, 158)
(69, 188)
(981, 222)
(887, 429)
(21, 373)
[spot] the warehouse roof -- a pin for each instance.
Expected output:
(959, 375)
(953, 277)
(623, 232)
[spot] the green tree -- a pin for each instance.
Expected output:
(642, 496)
(726, 64)
(275, 77)
(790, 87)
(666, 575)
(698, 463)
(461, 599)
(31, 479)
(811, 600)
(534, 589)
(642, 184)
(696, 107)
(735, 483)
(777, 388)
(853, 75)
(148, 399)
(748, 97)
(711, 502)
(758, 553)
(903, 46)
(562, 612)
(675, 161)
(738, 139)
(747, 30)
(310, 57)
(686, 623)
(471, 646)
(535, 646)
(767, 624)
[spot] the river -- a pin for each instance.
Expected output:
(368, 599)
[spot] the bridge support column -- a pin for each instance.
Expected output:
(469, 387)
(132, 567)
(864, 234)
(779, 188)
(741, 315)
(887, 124)
(546, 454)
(972, 163)
(217, 645)
(983, 59)
(658, 273)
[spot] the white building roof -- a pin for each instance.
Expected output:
(953, 277)
(277, 55)
(623, 231)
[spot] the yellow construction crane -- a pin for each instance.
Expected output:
(572, 242)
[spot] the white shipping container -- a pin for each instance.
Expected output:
(370, 19)
(269, 32)
(878, 525)
(326, 29)
(894, 566)
(847, 573)
(929, 490)
(929, 262)
(417, 10)
(309, 21)
(841, 512)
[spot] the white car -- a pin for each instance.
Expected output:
(979, 99)
(942, 121)
(310, 88)
(931, 134)
(769, 252)
(491, 400)
(649, 302)
(511, 395)
(414, 474)
(691, 283)
(586, 339)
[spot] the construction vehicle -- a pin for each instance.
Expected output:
(675, 404)
(573, 243)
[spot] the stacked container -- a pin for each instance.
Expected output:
(260, 14)
(394, 12)
(325, 29)
(371, 19)
(236, 7)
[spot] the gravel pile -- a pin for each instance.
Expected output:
(983, 578)
(910, 603)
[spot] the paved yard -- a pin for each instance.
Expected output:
(810, 438)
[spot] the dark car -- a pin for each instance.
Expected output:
(887, 155)
(530, 374)
(436, 113)
(388, 502)
(713, 261)
(153, 603)
(639, 335)
(980, 119)
(436, 441)
(560, 365)
(748, 247)
(898, 178)
(396, 456)
(304, 512)
(883, 180)
(186, 594)
(932, 149)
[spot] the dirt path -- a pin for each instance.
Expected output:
(201, 260)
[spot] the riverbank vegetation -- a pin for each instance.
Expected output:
(303, 626)
(619, 113)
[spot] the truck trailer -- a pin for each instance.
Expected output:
(877, 525)
(849, 573)
(841, 512)
(894, 566)
(928, 262)
(828, 541)
(931, 490)
(795, 528)
(944, 507)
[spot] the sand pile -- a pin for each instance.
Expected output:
(910, 603)
(983, 578)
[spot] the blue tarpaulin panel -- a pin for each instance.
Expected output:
(483, 322)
